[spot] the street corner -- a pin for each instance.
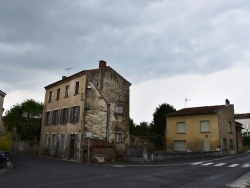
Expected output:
(6, 167)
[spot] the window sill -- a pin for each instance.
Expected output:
(118, 114)
(181, 133)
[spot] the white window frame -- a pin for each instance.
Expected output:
(118, 137)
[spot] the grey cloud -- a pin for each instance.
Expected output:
(140, 39)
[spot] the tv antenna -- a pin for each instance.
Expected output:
(67, 69)
(186, 100)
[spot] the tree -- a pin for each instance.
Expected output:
(158, 124)
(25, 120)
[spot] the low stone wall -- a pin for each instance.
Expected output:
(151, 157)
(26, 146)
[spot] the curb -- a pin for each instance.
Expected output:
(9, 166)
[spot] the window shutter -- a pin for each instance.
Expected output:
(71, 118)
(49, 118)
(66, 115)
(57, 117)
(77, 113)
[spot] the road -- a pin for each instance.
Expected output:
(36, 172)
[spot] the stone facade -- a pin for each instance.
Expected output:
(95, 101)
(2, 95)
(210, 128)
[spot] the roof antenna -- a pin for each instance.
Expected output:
(186, 100)
(67, 69)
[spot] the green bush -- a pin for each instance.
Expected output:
(5, 142)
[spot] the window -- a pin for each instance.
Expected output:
(181, 128)
(53, 139)
(119, 110)
(74, 114)
(58, 94)
(45, 140)
(205, 126)
(230, 127)
(231, 146)
(118, 137)
(64, 116)
(61, 143)
(55, 117)
(50, 96)
(67, 91)
(47, 118)
(180, 145)
(77, 88)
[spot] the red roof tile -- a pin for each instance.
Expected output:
(197, 110)
(242, 116)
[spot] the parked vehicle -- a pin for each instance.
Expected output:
(4, 154)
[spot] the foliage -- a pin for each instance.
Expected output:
(5, 142)
(159, 121)
(25, 120)
(246, 141)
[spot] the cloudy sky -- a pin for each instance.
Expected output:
(170, 50)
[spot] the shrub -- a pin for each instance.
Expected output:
(5, 142)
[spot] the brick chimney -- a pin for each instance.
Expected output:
(227, 102)
(102, 64)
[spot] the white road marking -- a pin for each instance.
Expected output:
(197, 163)
(233, 165)
(220, 164)
(246, 166)
(206, 164)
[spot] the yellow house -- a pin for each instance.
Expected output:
(91, 102)
(206, 128)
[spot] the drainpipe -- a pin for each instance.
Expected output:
(220, 141)
(108, 121)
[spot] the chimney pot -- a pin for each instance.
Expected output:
(63, 77)
(227, 102)
(102, 64)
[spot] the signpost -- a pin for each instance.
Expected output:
(89, 136)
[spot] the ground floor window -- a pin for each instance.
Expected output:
(118, 137)
(61, 142)
(45, 140)
(180, 145)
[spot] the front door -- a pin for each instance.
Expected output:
(206, 145)
(72, 146)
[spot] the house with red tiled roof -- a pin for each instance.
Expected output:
(206, 128)
(91, 102)
(245, 120)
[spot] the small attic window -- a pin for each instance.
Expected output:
(87, 106)
(88, 87)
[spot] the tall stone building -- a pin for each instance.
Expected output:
(2, 95)
(95, 101)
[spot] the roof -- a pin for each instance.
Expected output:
(2, 93)
(197, 110)
(66, 79)
(242, 116)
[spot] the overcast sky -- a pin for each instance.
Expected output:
(169, 50)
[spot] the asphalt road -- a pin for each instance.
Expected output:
(35, 171)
